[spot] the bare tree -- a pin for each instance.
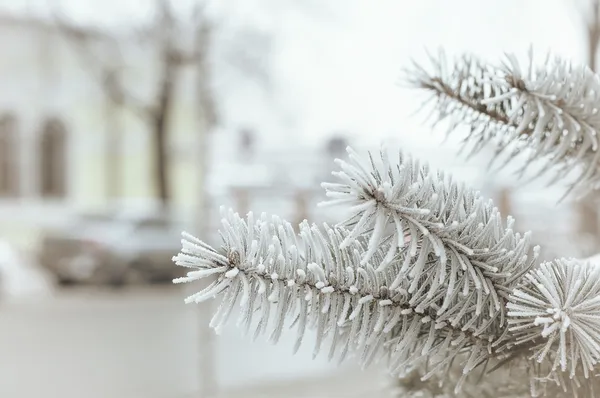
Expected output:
(164, 36)
(592, 21)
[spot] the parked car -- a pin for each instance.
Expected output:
(112, 249)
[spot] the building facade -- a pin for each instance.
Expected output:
(58, 127)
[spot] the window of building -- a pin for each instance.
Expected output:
(241, 197)
(9, 160)
(246, 142)
(53, 156)
(336, 146)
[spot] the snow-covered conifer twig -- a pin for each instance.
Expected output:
(277, 276)
(421, 272)
(549, 110)
(424, 272)
(560, 302)
(477, 259)
(316, 282)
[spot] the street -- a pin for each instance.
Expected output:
(90, 343)
(138, 342)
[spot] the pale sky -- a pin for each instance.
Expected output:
(338, 62)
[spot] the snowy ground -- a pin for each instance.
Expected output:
(20, 279)
(142, 343)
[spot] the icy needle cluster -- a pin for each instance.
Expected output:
(419, 273)
(423, 273)
(309, 279)
(557, 313)
(445, 240)
(550, 110)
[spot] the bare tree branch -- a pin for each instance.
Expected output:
(163, 35)
(105, 73)
(593, 31)
(201, 50)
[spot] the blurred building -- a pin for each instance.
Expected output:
(284, 180)
(56, 127)
(58, 130)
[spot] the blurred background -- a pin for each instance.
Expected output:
(123, 122)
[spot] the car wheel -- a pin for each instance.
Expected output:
(135, 276)
(108, 276)
(64, 282)
(162, 279)
(116, 281)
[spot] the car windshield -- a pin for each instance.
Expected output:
(113, 225)
(93, 218)
(99, 225)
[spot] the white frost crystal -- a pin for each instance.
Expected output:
(548, 110)
(557, 313)
(420, 272)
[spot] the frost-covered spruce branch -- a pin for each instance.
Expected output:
(316, 282)
(421, 273)
(475, 260)
(550, 110)
(276, 276)
(560, 301)
(458, 90)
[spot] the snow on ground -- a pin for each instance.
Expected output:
(19, 278)
(145, 343)
(345, 384)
